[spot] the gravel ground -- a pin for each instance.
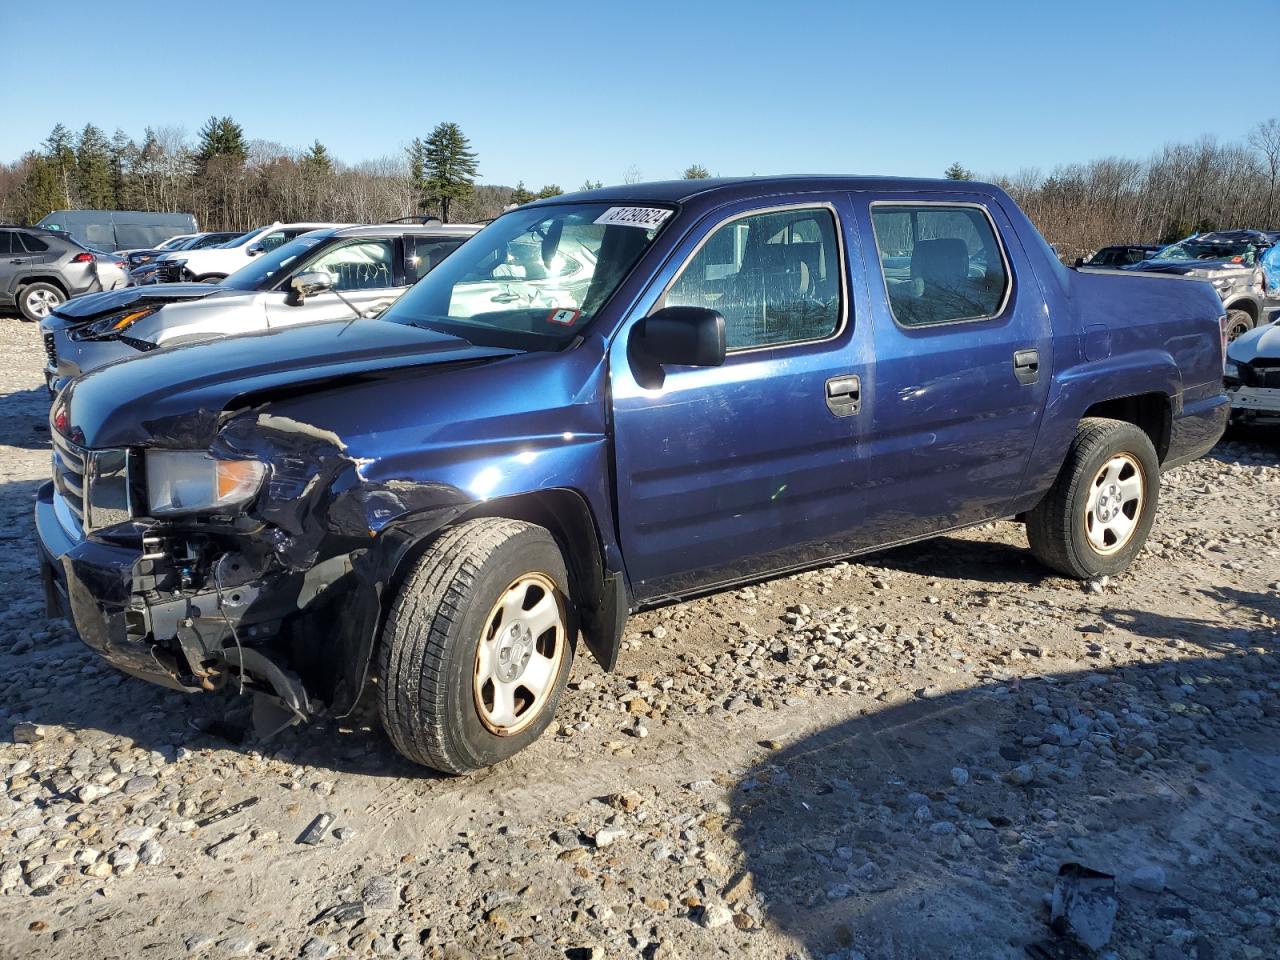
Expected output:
(883, 759)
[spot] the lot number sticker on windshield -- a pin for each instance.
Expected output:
(566, 318)
(646, 218)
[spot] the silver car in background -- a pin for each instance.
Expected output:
(328, 274)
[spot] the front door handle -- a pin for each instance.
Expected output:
(1026, 366)
(844, 395)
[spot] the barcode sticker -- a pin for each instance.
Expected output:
(646, 218)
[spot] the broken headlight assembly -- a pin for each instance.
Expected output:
(113, 325)
(192, 481)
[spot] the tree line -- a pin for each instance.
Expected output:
(231, 182)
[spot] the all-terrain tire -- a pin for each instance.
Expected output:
(1058, 527)
(37, 300)
(428, 651)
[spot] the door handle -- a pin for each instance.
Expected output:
(18, 260)
(844, 395)
(1026, 366)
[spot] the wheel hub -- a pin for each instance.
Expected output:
(515, 648)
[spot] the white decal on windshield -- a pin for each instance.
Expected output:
(646, 218)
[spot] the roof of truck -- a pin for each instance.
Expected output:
(679, 191)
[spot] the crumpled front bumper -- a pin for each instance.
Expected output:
(89, 583)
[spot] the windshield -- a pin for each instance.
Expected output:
(1206, 249)
(266, 269)
(535, 277)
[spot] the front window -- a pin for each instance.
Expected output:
(535, 277)
(775, 277)
(362, 265)
(1243, 253)
(266, 270)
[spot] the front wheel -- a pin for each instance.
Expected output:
(1097, 515)
(478, 646)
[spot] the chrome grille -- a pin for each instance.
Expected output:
(69, 467)
(51, 349)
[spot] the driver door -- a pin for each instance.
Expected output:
(367, 271)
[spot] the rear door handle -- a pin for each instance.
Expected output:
(844, 395)
(1026, 366)
(18, 260)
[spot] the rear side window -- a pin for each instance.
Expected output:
(6, 243)
(774, 276)
(33, 244)
(941, 263)
(426, 253)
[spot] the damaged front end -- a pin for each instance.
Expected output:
(274, 589)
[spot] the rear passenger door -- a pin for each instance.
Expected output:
(962, 361)
(728, 472)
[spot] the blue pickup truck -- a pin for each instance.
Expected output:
(604, 402)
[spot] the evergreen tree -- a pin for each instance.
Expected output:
(590, 184)
(695, 171)
(124, 159)
(550, 190)
(221, 137)
(62, 157)
(448, 167)
(520, 196)
(94, 187)
(417, 151)
(958, 172)
(316, 159)
(43, 189)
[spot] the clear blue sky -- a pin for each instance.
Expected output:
(559, 92)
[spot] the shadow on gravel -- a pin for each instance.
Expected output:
(935, 828)
(24, 419)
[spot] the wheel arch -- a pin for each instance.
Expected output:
(1152, 413)
(52, 279)
(600, 593)
(1248, 305)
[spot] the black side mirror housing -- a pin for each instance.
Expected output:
(1079, 262)
(675, 336)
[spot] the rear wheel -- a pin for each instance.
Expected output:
(1097, 515)
(478, 646)
(37, 300)
(1238, 324)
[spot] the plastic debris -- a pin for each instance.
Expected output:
(316, 831)
(229, 811)
(1083, 908)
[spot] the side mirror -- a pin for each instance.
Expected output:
(305, 284)
(1079, 262)
(254, 249)
(675, 336)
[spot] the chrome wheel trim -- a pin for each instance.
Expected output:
(1117, 497)
(519, 655)
(42, 302)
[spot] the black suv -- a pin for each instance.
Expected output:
(39, 269)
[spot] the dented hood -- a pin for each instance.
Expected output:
(175, 397)
(94, 305)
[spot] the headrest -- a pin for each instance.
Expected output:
(944, 261)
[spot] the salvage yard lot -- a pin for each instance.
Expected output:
(883, 759)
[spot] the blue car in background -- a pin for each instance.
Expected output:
(602, 402)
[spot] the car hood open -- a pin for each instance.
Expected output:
(176, 397)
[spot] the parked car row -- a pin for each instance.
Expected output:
(598, 403)
(323, 274)
(1242, 265)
